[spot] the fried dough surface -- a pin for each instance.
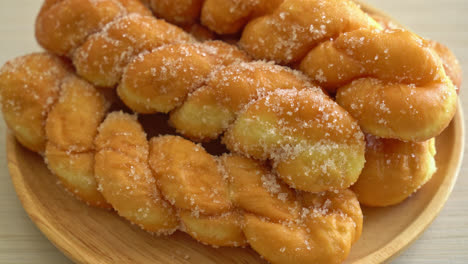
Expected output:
(71, 127)
(394, 170)
(29, 86)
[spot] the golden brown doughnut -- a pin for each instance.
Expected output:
(390, 95)
(177, 165)
(394, 170)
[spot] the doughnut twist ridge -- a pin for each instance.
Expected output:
(265, 111)
(170, 183)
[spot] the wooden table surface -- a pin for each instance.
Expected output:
(446, 240)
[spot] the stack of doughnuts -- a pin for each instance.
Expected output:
(320, 107)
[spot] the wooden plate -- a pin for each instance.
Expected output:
(89, 235)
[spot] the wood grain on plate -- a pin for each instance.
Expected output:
(89, 235)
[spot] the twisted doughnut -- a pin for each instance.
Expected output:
(218, 208)
(45, 105)
(157, 184)
(207, 86)
(391, 81)
(359, 54)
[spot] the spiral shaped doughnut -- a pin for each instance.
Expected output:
(391, 81)
(213, 197)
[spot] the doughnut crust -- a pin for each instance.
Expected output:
(394, 170)
(29, 86)
(314, 144)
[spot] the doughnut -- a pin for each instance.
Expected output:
(394, 170)
(56, 114)
(288, 33)
(212, 197)
(390, 80)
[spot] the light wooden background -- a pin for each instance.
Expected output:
(446, 241)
